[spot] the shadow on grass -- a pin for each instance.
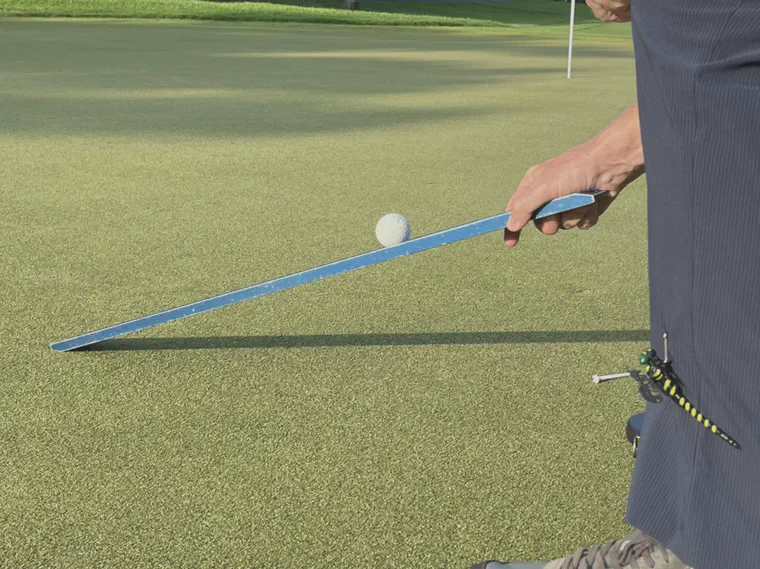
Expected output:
(360, 340)
(146, 80)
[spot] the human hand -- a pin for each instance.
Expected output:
(611, 10)
(608, 162)
(568, 173)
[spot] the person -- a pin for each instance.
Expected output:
(694, 500)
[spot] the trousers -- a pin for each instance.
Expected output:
(698, 90)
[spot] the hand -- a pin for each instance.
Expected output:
(611, 10)
(568, 173)
(609, 162)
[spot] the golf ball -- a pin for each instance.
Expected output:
(392, 229)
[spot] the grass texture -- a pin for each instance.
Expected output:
(425, 413)
(203, 10)
(539, 16)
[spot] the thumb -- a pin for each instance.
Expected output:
(518, 218)
(525, 201)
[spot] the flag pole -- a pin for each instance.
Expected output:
(570, 44)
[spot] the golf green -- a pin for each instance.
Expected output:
(428, 412)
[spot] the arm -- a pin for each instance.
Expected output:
(618, 151)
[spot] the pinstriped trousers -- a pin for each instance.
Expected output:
(698, 88)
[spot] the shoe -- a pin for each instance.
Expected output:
(634, 551)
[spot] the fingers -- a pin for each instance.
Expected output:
(582, 218)
(548, 225)
(522, 204)
(527, 199)
(571, 219)
(604, 201)
(610, 10)
(590, 214)
(590, 219)
(599, 12)
(511, 237)
(522, 207)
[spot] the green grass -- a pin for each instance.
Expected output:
(540, 16)
(201, 10)
(544, 13)
(428, 412)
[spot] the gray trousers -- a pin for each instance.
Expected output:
(698, 82)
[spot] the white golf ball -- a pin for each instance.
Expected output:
(392, 229)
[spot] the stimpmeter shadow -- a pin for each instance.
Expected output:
(368, 340)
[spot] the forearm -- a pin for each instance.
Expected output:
(618, 152)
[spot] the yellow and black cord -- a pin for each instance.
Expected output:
(660, 375)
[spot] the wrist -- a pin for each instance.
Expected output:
(617, 153)
(615, 170)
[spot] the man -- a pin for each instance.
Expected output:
(694, 499)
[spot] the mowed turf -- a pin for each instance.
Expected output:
(425, 413)
(543, 17)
